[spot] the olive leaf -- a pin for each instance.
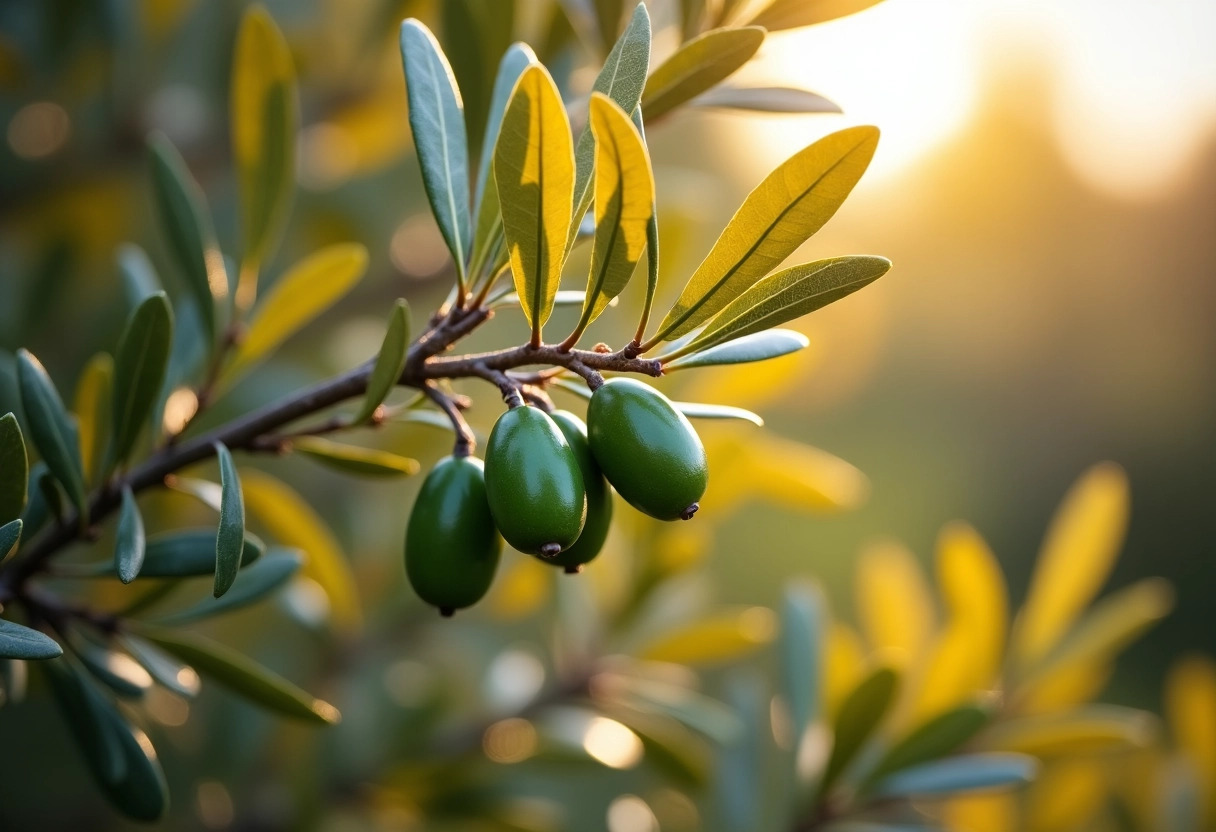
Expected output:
(37, 510)
(624, 199)
(185, 554)
(309, 288)
(791, 14)
(534, 172)
(230, 536)
(739, 781)
(958, 775)
(182, 209)
(114, 669)
(20, 642)
(130, 545)
(940, 736)
(859, 716)
(51, 428)
(700, 410)
(803, 632)
(10, 536)
(767, 100)
(697, 66)
(791, 204)
(93, 404)
(390, 361)
(242, 676)
(167, 671)
(139, 371)
(759, 346)
(436, 116)
(1085, 729)
(14, 468)
(258, 580)
(475, 34)
(138, 275)
(351, 459)
(652, 246)
(721, 637)
(265, 119)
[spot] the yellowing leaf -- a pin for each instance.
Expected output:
(791, 14)
(264, 124)
(307, 290)
(1086, 730)
(697, 66)
(784, 210)
(893, 602)
(1068, 795)
(290, 521)
(1075, 560)
(1190, 707)
(353, 459)
(721, 638)
(92, 407)
(845, 661)
(1066, 688)
(534, 172)
(994, 812)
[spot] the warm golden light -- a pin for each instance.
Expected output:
(180, 408)
(510, 741)
(38, 130)
(611, 743)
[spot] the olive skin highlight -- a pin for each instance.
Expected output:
(647, 449)
(599, 495)
(533, 483)
(451, 546)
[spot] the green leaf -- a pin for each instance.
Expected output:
(10, 536)
(437, 122)
(389, 362)
(139, 371)
(789, 294)
(700, 64)
(622, 79)
(759, 346)
(139, 278)
(258, 580)
(351, 459)
(699, 410)
(784, 210)
(190, 553)
(958, 775)
(93, 404)
(243, 676)
(117, 671)
(14, 468)
(534, 172)
(624, 199)
(265, 119)
(131, 544)
(37, 511)
(801, 650)
(791, 14)
(859, 716)
(695, 710)
(230, 536)
(938, 737)
(182, 209)
(19, 642)
(309, 288)
(51, 428)
(739, 780)
(652, 246)
(168, 672)
(767, 100)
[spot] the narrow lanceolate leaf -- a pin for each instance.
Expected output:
(652, 246)
(351, 459)
(389, 362)
(167, 671)
(759, 346)
(131, 545)
(936, 738)
(697, 66)
(182, 209)
(258, 581)
(93, 405)
(14, 468)
(958, 775)
(859, 717)
(243, 676)
(139, 371)
(308, 289)
(622, 79)
(51, 428)
(788, 295)
(767, 100)
(802, 638)
(437, 122)
(791, 14)
(10, 536)
(19, 642)
(265, 118)
(700, 410)
(624, 199)
(230, 536)
(1089, 729)
(116, 670)
(783, 211)
(138, 275)
(534, 172)
(190, 554)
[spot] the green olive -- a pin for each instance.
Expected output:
(647, 449)
(599, 495)
(533, 483)
(451, 545)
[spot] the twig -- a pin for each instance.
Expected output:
(466, 442)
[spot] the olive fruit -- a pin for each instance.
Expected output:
(451, 545)
(533, 483)
(647, 449)
(599, 495)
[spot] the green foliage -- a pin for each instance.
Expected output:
(139, 371)
(14, 465)
(51, 428)
(390, 361)
(230, 537)
(699, 66)
(130, 547)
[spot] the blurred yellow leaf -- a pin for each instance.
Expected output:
(1190, 707)
(1066, 688)
(1075, 560)
(893, 601)
(290, 521)
(1066, 795)
(993, 812)
(844, 664)
(521, 588)
(1086, 730)
(678, 547)
(723, 637)
(92, 407)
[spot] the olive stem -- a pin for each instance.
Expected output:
(466, 442)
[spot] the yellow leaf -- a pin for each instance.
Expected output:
(290, 521)
(92, 407)
(1087, 730)
(1066, 796)
(307, 290)
(1075, 560)
(984, 812)
(844, 664)
(721, 638)
(893, 602)
(1066, 688)
(697, 66)
(1190, 707)
(521, 588)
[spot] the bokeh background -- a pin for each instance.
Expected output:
(1045, 186)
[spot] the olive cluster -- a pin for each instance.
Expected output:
(546, 488)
